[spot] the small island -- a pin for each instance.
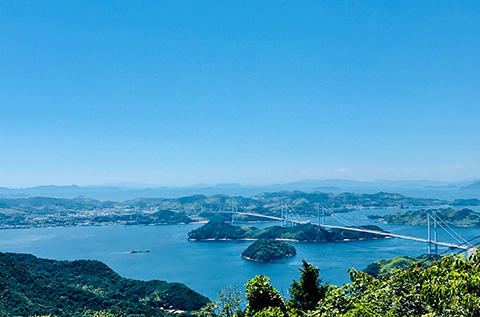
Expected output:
(267, 250)
(453, 217)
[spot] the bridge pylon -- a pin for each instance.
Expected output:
(234, 207)
(283, 214)
(432, 232)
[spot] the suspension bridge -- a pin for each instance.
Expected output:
(290, 217)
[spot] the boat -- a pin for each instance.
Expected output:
(140, 251)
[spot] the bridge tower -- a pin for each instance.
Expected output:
(234, 207)
(318, 215)
(317, 206)
(432, 232)
(284, 214)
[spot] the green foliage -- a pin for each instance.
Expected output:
(307, 292)
(266, 250)
(101, 313)
(304, 233)
(270, 312)
(206, 311)
(33, 286)
(229, 301)
(261, 295)
(219, 230)
(449, 287)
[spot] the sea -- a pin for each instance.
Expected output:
(208, 267)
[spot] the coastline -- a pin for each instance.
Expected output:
(258, 261)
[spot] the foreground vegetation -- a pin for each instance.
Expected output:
(266, 250)
(449, 287)
(219, 230)
(33, 286)
(453, 217)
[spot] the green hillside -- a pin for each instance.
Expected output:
(34, 286)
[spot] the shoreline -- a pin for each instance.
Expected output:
(272, 260)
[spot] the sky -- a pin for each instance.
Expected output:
(254, 92)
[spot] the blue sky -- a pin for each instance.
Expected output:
(255, 92)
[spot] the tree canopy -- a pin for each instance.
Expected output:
(449, 287)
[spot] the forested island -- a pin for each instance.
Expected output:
(267, 250)
(219, 230)
(453, 217)
(33, 286)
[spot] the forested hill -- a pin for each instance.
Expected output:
(32, 286)
(218, 230)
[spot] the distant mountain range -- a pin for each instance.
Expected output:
(422, 188)
(473, 186)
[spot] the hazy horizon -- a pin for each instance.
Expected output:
(181, 93)
(140, 185)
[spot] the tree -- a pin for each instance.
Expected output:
(261, 294)
(206, 311)
(306, 293)
(229, 301)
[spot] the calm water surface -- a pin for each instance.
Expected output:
(209, 266)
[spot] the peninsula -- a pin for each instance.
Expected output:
(388, 266)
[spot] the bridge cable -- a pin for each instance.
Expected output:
(331, 213)
(451, 235)
(242, 205)
(337, 216)
(294, 212)
(341, 220)
(446, 224)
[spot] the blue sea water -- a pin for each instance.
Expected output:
(209, 266)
